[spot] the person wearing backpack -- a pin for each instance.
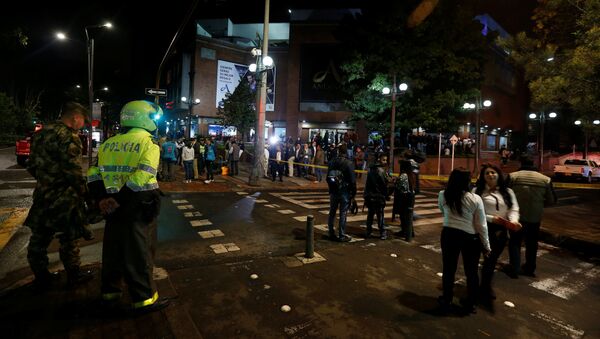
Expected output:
(376, 194)
(210, 156)
(404, 200)
(342, 189)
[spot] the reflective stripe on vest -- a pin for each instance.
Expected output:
(94, 177)
(111, 296)
(146, 187)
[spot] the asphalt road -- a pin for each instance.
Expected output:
(368, 288)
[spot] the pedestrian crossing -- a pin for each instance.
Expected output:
(426, 208)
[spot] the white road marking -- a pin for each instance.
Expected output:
(192, 214)
(286, 212)
(180, 201)
(211, 234)
(185, 207)
(566, 329)
(435, 248)
(242, 193)
(569, 284)
(202, 222)
(260, 201)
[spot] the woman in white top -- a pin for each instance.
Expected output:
(501, 210)
(187, 156)
(464, 232)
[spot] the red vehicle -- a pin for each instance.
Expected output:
(23, 147)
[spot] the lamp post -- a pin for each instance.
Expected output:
(542, 120)
(403, 87)
(477, 106)
(90, 62)
(191, 104)
(263, 61)
(586, 127)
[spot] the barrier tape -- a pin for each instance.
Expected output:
(445, 178)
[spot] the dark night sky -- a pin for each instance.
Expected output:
(128, 56)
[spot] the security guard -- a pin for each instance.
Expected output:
(125, 185)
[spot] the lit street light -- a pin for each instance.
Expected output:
(587, 125)
(191, 104)
(478, 106)
(263, 62)
(90, 59)
(402, 87)
(542, 120)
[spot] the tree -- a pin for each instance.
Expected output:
(561, 58)
(238, 109)
(441, 60)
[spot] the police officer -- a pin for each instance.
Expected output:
(342, 189)
(58, 198)
(125, 181)
(376, 193)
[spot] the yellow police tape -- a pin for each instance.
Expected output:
(445, 178)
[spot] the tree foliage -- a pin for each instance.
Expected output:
(561, 58)
(238, 109)
(441, 60)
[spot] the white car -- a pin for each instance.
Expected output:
(578, 168)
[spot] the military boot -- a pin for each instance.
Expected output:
(77, 276)
(44, 280)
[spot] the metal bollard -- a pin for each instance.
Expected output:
(310, 237)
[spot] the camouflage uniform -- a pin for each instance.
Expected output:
(58, 199)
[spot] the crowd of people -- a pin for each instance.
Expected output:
(123, 188)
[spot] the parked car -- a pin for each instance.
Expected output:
(23, 146)
(578, 168)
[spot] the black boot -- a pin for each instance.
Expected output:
(77, 276)
(44, 280)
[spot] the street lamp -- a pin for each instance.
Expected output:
(402, 87)
(477, 106)
(90, 59)
(542, 120)
(191, 104)
(586, 130)
(263, 62)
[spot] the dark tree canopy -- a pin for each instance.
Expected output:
(441, 60)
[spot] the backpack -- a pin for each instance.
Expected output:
(402, 186)
(335, 181)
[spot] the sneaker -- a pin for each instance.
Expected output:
(333, 237)
(345, 238)
(207, 181)
(383, 237)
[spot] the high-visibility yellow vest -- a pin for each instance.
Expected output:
(127, 159)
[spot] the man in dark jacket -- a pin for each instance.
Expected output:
(342, 189)
(376, 193)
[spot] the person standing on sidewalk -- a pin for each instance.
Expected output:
(58, 198)
(187, 155)
(169, 158)
(376, 193)
(464, 232)
(210, 154)
(533, 191)
(235, 158)
(501, 207)
(342, 189)
(319, 160)
(125, 185)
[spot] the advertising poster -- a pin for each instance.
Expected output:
(229, 76)
(320, 76)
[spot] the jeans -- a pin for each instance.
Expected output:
(531, 232)
(188, 166)
(343, 201)
(209, 169)
(319, 174)
(168, 169)
(455, 242)
(376, 209)
(234, 168)
(498, 236)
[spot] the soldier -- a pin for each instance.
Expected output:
(125, 185)
(58, 198)
(376, 193)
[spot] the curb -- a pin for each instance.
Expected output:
(587, 248)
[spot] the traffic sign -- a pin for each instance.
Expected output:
(156, 92)
(453, 139)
